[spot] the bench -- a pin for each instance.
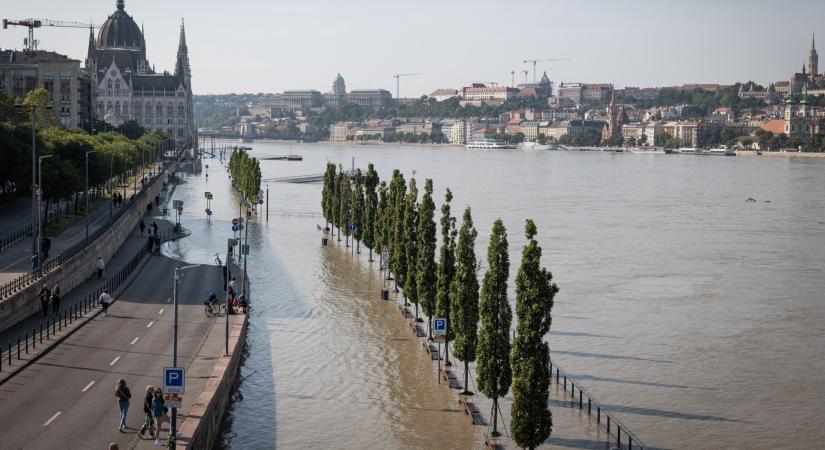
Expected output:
(472, 410)
(432, 349)
(450, 378)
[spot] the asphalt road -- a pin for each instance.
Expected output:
(66, 399)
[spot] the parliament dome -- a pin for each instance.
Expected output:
(120, 31)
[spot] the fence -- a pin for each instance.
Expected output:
(15, 237)
(603, 417)
(21, 282)
(79, 309)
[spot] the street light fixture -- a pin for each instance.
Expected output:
(39, 214)
(34, 169)
(86, 194)
(177, 277)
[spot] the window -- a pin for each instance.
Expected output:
(170, 110)
(109, 84)
(125, 109)
(117, 108)
(159, 110)
(149, 110)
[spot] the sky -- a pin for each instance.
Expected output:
(275, 45)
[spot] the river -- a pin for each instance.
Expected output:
(696, 316)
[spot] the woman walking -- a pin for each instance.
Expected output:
(44, 299)
(122, 395)
(158, 412)
(148, 419)
(55, 299)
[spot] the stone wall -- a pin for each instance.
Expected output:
(81, 266)
(203, 423)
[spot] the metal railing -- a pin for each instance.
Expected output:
(15, 236)
(603, 417)
(23, 281)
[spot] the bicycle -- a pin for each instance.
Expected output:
(218, 261)
(212, 307)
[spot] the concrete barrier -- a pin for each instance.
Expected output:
(81, 266)
(203, 422)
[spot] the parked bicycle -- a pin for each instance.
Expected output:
(211, 306)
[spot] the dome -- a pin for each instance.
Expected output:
(120, 31)
(339, 79)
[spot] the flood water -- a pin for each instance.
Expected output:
(696, 317)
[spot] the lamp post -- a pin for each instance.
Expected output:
(173, 426)
(111, 190)
(86, 194)
(40, 216)
(35, 213)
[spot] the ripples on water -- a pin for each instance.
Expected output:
(696, 316)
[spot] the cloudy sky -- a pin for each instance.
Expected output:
(273, 45)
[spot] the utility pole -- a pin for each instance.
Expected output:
(267, 202)
(111, 191)
(40, 216)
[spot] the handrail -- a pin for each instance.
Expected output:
(15, 236)
(600, 410)
(23, 281)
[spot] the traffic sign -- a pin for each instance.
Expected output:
(177, 204)
(439, 328)
(173, 380)
(234, 228)
(208, 212)
(172, 401)
(234, 221)
(385, 258)
(209, 197)
(207, 194)
(352, 226)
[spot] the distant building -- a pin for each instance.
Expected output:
(766, 95)
(443, 94)
(458, 132)
(616, 118)
(803, 119)
(692, 134)
(69, 90)
(373, 98)
(581, 94)
(574, 128)
(478, 91)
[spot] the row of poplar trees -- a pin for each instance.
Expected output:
(378, 214)
(246, 174)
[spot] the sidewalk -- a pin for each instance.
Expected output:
(17, 259)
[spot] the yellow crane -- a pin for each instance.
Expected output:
(534, 61)
(30, 43)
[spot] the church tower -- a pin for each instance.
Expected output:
(182, 69)
(813, 59)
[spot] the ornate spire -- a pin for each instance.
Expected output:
(120, 5)
(182, 64)
(813, 42)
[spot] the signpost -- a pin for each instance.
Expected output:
(385, 266)
(440, 334)
(174, 380)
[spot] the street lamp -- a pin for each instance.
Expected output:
(39, 215)
(34, 169)
(177, 277)
(111, 187)
(86, 194)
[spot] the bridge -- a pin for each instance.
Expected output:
(302, 179)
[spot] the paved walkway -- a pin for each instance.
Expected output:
(66, 398)
(17, 260)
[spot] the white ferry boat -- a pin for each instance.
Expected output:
(646, 151)
(489, 144)
(722, 151)
(688, 151)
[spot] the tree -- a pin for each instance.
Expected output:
(565, 139)
(345, 193)
(337, 197)
(426, 254)
(410, 245)
(464, 293)
(44, 118)
(541, 138)
(380, 230)
(532, 421)
(328, 194)
(643, 139)
(358, 207)
(446, 271)
(398, 255)
(370, 207)
(494, 374)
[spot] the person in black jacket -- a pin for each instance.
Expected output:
(123, 396)
(44, 299)
(55, 299)
(148, 421)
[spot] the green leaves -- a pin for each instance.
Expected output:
(426, 267)
(246, 174)
(410, 244)
(464, 292)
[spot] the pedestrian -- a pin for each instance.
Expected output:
(142, 227)
(105, 299)
(44, 299)
(157, 200)
(148, 419)
(158, 412)
(231, 287)
(123, 396)
(55, 299)
(100, 265)
(45, 246)
(119, 199)
(157, 245)
(155, 227)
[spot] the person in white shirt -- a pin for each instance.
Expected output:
(99, 265)
(105, 299)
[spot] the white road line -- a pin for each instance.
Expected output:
(150, 324)
(52, 418)
(134, 340)
(161, 311)
(114, 361)
(88, 386)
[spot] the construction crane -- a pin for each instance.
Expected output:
(398, 82)
(512, 78)
(534, 61)
(31, 24)
(525, 75)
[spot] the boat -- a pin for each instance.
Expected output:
(537, 146)
(295, 158)
(489, 144)
(722, 151)
(687, 151)
(245, 147)
(646, 151)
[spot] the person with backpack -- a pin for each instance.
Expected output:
(142, 227)
(100, 265)
(148, 418)
(123, 396)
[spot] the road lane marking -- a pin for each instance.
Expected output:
(134, 340)
(150, 324)
(52, 418)
(88, 386)
(114, 361)
(161, 311)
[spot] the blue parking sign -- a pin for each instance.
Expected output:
(173, 380)
(439, 327)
